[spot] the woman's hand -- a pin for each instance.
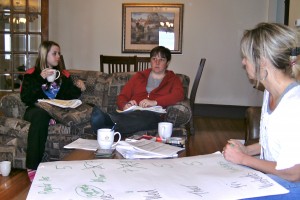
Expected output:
(46, 72)
(235, 151)
(147, 103)
(80, 84)
(129, 104)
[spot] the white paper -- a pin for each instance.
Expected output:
(157, 109)
(74, 103)
(146, 149)
(198, 177)
(85, 144)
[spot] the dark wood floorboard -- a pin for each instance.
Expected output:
(211, 134)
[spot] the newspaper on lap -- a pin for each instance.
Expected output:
(74, 103)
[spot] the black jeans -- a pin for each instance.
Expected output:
(126, 123)
(37, 135)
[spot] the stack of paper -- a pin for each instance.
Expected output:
(85, 144)
(146, 149)
(157, 109)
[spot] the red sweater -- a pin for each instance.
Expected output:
(169, 91)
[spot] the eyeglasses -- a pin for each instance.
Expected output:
(155, 59)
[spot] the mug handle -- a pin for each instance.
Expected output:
(118, 139)
(58, 74)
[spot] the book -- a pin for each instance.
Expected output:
(74, 103)
(157, 109)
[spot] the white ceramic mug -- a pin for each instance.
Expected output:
(5, 168)
(165, 129)
(105, 138)
(54, 76)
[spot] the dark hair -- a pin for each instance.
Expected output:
(162, 51)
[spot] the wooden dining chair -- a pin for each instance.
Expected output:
(115, 64)
(194, 92)
(142, 63)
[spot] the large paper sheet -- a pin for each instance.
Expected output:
(199, 177)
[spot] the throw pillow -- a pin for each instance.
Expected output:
(68, 116)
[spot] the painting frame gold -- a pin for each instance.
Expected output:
(145, 26)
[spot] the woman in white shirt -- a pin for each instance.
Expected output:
(269, 54)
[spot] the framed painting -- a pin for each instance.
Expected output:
(145, 26)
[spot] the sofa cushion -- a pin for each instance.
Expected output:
(96, 86)
(68, 116)
(115, 83)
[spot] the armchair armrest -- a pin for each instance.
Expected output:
(179, 114)
(12, 106)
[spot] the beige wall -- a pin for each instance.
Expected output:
(211, 29)
(294, 12)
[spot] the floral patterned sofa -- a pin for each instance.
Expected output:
(102, 90)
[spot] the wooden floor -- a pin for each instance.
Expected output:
(211, 134)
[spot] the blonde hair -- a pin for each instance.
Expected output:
(41, 61)
(274, 42)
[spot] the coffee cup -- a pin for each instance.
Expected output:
(55, 75)
(5, 168)
(165, 129)
(105, 138)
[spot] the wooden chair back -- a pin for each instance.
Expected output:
(142, 63)
(194, 92)
(115, 64)
(196, 82)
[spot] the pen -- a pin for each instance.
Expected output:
(113, 128)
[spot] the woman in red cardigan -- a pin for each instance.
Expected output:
(151, 87)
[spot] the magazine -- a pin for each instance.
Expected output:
(157, 109)
(74, 103)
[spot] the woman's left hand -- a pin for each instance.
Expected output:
(147, 103)
(80, 84)
(234, 151)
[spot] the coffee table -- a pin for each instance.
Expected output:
(79, 154)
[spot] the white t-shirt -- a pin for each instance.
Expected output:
(280, 130)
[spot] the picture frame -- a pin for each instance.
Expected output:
(145, 26)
